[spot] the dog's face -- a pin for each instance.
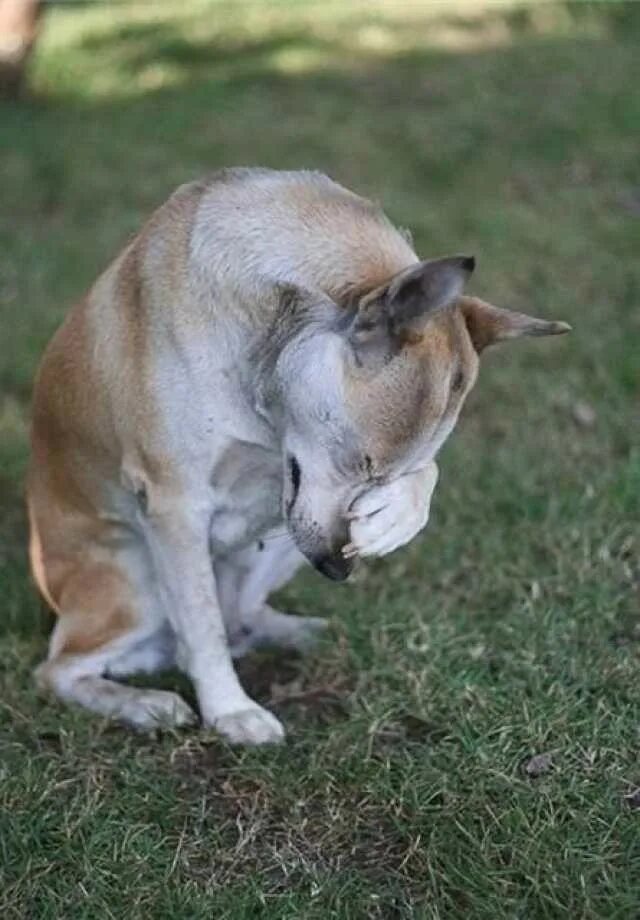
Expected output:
(379, 397)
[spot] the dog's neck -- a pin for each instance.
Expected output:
(299, 326)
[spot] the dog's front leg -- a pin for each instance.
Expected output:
(388, 515)
(179, 541)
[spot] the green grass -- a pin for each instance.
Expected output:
(511, 628)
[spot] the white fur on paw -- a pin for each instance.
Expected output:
(250, 726)
(373, 537)
(388, 516)
(152, 709)
(382, 533)
(289, 630)
(285, 630)
(305, 632)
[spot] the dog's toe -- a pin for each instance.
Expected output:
(250, 726)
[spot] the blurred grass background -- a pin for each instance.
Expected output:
(511, 628)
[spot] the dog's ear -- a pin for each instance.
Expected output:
(488, 324)
(395, 314)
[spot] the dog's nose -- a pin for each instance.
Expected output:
(333, 565)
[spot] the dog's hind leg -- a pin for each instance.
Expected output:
(151, 653)
(245, 581)
(108, 626)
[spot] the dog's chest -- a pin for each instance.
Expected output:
(247, 482)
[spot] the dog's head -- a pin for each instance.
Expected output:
(377, 395)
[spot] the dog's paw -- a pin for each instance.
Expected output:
(285, 630)
(148, 710)
(250, 726)
(387, 516)
(289, 630)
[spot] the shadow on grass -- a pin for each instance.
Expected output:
(142, 44)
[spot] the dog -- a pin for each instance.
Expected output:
(264, 375)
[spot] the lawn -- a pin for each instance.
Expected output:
(464, 744)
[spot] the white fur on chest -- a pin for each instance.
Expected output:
(247, 481)
(227, 453)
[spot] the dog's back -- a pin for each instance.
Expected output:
(300, 227)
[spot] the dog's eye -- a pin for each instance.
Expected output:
(142, 499)
(458, 381)
(296, 475)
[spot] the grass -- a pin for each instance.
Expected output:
(511, 628)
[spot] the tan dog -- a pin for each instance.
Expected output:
(266, 371)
